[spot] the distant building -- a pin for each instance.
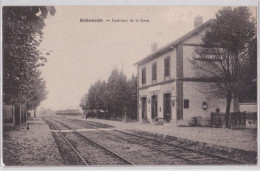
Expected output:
(168, 88)
(68, 112)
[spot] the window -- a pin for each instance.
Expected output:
(186, 103)
(143, 75)
(167, 66)
(154, 71)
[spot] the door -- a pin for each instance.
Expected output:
(144, 108)
(167, 107)
(17, 114)
(154, 106)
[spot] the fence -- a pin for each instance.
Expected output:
(236, 120)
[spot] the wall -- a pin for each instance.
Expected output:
(192, 92)
(158, 90)
(160, 68)
(248, 107)
(196, 92)
(188, 51)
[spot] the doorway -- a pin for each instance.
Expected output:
(144, 108)
(167, 107)
(154, 106)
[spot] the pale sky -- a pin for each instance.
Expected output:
(82, 53)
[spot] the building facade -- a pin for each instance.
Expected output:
(168, 87)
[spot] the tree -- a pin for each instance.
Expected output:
(84, 103)
(97, 95)
(117, 97)
(132, 98)
(117, 93)
(100, 88)
(22, 34)
(91, 97)
(112, 96)
(38, 94)
(224, 55)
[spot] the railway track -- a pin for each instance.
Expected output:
(115, 158)
(189, 154)
(199, 157)
(96, 125)
(71, 146)
(169, 159)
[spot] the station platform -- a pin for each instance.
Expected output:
(30, 147)
(223, 138)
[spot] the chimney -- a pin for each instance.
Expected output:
(198, 20)
(154, 47)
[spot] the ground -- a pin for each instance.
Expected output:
(33, 147)
(36, 146)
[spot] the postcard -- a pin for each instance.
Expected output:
(113, 86)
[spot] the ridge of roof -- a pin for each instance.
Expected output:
(168, 46)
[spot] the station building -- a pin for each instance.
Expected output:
(168, 87)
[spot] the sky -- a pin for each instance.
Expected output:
(84, 52)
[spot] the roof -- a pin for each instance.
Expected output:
(168, 47)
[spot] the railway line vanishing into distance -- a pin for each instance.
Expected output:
(100, 153)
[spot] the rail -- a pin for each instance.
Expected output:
(103, 147)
